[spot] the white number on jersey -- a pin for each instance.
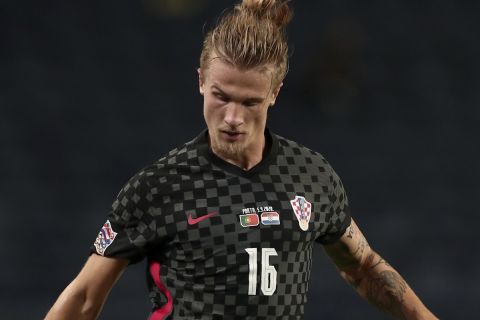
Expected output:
(269, 274)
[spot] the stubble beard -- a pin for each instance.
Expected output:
(228, 150)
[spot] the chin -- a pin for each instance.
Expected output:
(229, 149)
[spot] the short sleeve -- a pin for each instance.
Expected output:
(338, 211)
(129, 230)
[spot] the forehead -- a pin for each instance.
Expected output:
(227, 76)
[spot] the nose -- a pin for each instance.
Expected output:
(234, 115)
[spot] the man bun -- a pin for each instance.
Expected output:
(278, 11)
(251, 35)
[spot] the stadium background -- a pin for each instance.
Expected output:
(388, 91)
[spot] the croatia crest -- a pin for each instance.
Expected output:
(105, 238)
(303, 211)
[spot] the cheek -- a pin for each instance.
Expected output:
(211, 109)
(260, 116)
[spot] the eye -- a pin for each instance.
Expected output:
(220, 97)
(250, 104)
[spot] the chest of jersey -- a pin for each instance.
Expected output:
(215, 223)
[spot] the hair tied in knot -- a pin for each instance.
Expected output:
(277, 11)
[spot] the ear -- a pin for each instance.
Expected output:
(200, 81)
(275, 93)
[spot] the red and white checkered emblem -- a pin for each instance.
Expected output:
(303, 211)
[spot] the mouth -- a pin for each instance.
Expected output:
(231, 136)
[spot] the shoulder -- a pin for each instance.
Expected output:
(155, 176)
(297, 152)
(183, 155)
(309, 162)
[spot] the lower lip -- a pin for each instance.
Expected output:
(231, 137)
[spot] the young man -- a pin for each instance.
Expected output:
(228, 220)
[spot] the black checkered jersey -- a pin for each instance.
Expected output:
(224, 243)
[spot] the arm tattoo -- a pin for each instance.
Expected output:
(361, 248)
(380, 261)
(387, 290)
(351, 232)
(354, 282)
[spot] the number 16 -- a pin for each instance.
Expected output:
(269, 274)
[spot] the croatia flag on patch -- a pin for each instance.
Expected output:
(105, 238)
(270, 218)
(249, 220)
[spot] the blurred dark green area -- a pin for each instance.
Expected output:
(387, 91)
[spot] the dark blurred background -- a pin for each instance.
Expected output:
(388, 91)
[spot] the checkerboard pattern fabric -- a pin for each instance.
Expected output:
(184, 213)
(301, 206)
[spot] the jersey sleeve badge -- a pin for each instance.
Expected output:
(105, 238)
(303, 211)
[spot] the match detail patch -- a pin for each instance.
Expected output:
(249, 220)
(105, 238)
(270, 218)
(303, 211)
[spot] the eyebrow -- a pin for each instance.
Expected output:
(252, 99)
(214, 86)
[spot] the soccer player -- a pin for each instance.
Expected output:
(227, 221)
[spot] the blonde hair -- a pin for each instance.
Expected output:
(251, 35)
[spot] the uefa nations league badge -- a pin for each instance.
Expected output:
(105, 238)
(303, 211)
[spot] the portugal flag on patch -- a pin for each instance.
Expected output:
(249, 220)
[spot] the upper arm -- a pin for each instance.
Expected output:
(85, 295)
(351, 250)
(98, 276)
